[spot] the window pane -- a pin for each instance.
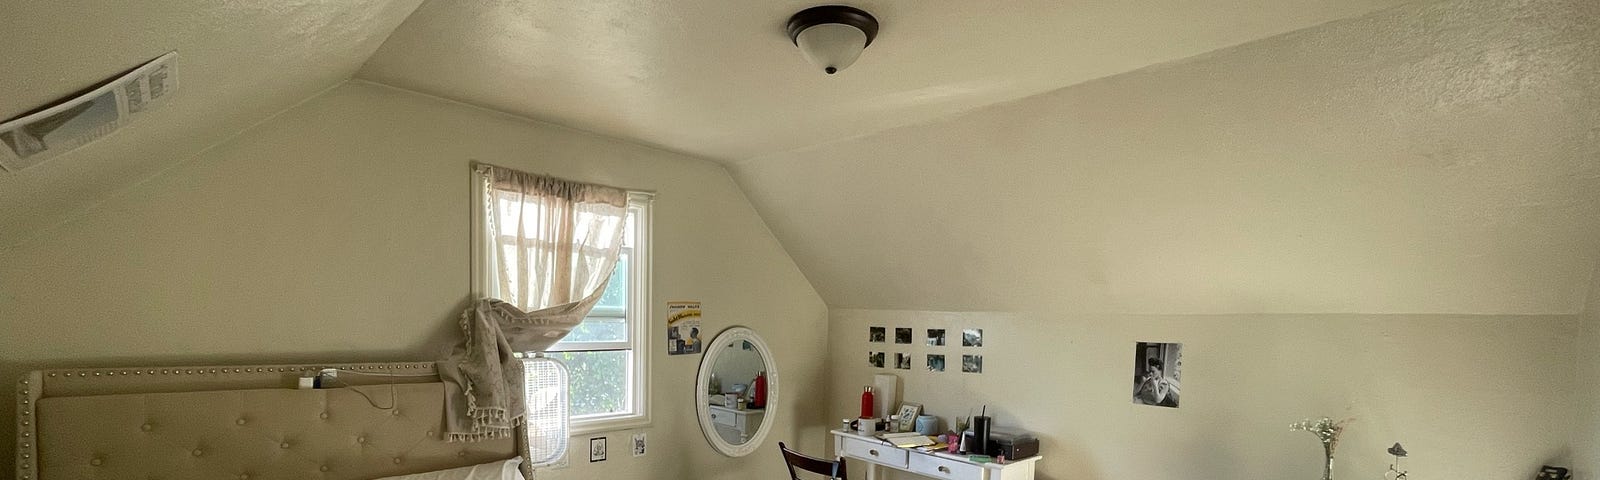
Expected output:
(615, 297)
(597, 329)
(599, 381)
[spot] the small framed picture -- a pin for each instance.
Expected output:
(936, 362)
(972, 337)
(972, 364)
(902, 361)
(936, 337)
(875, 334)
(902, 336)
(597, 449)
(908, 416)
(875, 359)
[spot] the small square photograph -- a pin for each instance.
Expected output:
(935, 363)
(902, 361)
(972, 337)
(597, 449)
(902, 336)
(972, 364)
(936, 337)
(638, 444)
(875, 334)
(1157, 367)
(875, 359)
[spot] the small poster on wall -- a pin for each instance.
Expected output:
(683, 328)
(1157, 367)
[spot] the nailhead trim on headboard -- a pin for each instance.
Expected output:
(27, 448)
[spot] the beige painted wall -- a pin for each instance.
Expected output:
(1481, 397)
(1586, 440)
(339, 232)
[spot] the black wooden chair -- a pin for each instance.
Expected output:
(832, 469)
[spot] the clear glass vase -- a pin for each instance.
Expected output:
(1327, 468)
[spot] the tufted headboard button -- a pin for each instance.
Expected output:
(198, 452)
(147, 427)
(323, 468)
(240, 422)
(284, 445)
(397, 460)
(97, 462)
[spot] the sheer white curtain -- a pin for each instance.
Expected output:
(546, 250)
(552, 243)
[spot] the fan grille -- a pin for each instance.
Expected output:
(546, 389)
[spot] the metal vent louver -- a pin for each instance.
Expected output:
(546, 382)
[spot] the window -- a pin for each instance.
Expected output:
(606, 355)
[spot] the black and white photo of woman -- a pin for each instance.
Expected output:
(1156, 373)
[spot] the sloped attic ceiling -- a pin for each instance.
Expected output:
(239, 63)
(1438, 158)
(711, 77)
(720, 79)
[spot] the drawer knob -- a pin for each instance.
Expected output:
(944, 469)
(872, 452)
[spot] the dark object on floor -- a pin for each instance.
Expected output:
(1553, 473)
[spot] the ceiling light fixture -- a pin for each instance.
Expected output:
(832, 36)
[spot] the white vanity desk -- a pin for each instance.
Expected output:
(878, 454)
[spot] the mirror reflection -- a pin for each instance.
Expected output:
(737, 389)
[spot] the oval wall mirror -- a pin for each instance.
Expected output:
(737, 391)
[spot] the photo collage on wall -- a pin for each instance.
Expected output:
(932, 338)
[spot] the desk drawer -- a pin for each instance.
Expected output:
(937, 467)
(724, 418)
(872, 450)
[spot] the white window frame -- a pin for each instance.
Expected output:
(638, 313)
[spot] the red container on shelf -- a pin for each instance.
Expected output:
(758, 399)
(866, 402)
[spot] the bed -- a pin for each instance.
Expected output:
(238, 422)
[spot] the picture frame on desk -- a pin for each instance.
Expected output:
(908, 416)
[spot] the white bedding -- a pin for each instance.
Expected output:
(501, 470)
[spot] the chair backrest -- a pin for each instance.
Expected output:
(831, 469)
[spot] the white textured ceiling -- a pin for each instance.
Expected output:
(239, 63)
(719, 78)
(1437, 158)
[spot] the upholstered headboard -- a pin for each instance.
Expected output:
(245, 422)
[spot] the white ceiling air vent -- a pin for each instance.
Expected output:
(68, 124)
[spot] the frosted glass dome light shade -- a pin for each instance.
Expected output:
(832, 36)
(832, 46)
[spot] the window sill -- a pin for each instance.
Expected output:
(609, 424)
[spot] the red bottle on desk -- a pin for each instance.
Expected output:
(866, 402)
(758, 398)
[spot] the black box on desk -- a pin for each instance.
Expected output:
(1014, 445)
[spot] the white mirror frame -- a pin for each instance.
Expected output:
(703, 397)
